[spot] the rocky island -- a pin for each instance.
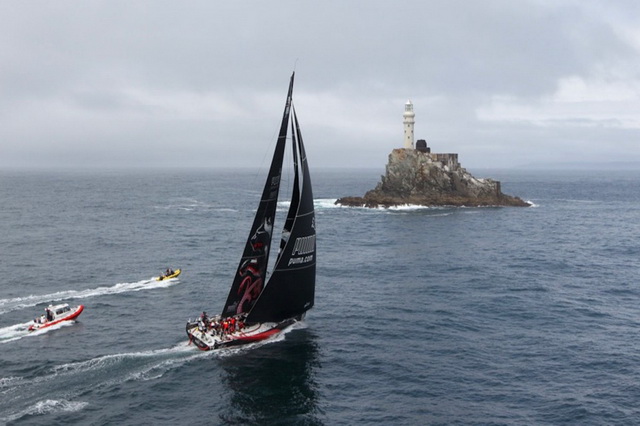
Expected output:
(418, 177)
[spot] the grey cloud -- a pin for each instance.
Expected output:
(86, 80)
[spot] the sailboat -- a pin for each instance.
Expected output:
(260, 306)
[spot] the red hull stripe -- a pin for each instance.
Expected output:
(58, 321)
(260, 336)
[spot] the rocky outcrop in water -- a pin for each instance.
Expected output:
(426, 179)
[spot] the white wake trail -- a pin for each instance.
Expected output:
(48, 406)
(14, 332)
(19, 331)
(8, 305)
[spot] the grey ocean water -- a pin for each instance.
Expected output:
(422, 316)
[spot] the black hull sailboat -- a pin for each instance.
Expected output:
(257, 308)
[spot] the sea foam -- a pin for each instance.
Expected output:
(8, 305)
(48, 406)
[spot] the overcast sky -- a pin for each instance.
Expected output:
(202, 83)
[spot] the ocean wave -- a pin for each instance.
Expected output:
(6, 382)
(409, 207)
(105, 372)
(100, 372)
(318, 203)
(192, 204)
(325, 203)
(330, 203)
(48, 406)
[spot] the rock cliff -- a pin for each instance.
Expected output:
(422, 178)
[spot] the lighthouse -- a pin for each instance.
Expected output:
(408, 120)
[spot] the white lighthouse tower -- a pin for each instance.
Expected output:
(408, 120)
